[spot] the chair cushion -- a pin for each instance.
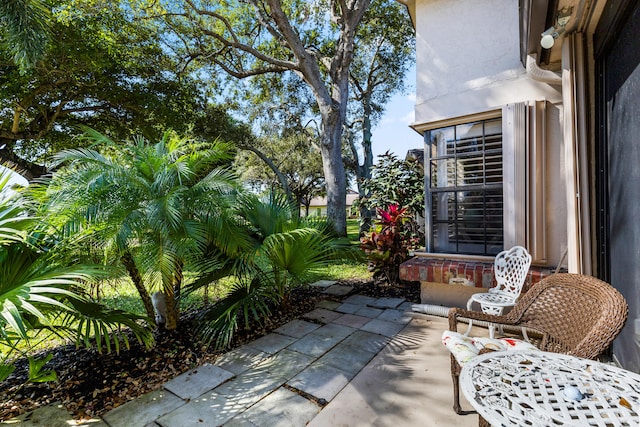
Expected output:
(465, 348)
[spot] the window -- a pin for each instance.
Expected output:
(464, 188)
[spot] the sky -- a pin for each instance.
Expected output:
(393, 132)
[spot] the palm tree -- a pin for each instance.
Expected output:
(24, 30)
(285, 250)
(154, 205)
(37, 288)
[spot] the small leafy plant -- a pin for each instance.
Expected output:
(389, 242)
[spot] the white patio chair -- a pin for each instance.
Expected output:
(510, 268)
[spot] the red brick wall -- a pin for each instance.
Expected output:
(423, 269)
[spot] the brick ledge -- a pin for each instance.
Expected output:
(479, 273)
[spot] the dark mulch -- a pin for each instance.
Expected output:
(90, 384)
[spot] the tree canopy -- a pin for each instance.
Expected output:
(312, 39)
(104, 69)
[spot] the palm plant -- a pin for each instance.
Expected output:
(155, 206)
(285, 250)
(25, 29)
(38, 293)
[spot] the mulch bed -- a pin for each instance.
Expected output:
(90, 384)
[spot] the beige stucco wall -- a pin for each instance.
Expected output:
(467, 57)
(468, 62)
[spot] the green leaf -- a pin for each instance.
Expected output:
(5, 371)
(36, 372)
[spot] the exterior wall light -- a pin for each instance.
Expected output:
(550, 35)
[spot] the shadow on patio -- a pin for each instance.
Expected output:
(407, 384)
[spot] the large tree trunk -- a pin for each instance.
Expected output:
(333, 167)
(332, 101)
(364, 171)
(130, 264)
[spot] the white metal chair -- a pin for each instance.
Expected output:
(510, 268)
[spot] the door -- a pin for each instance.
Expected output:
(618, 163)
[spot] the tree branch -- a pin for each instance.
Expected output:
(235, 43)
(281, 178)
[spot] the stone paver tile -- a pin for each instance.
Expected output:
(320, 380)
(352, 320)
(323, 283)
(369, 312)
(271, 343)
(387, 302)
(359, 300)
(382, 327)
(282, 408)
(329, 305)
(348, 308)
(143, 410)
(285, 363)
(396, 316)
(367, 341)
(347, 358)
(297, 328)
(322, 315)
(197, 381)
(338, 290)
(249, 387)
(241, 359)
(405, 306)
(334, 330)
(315, 345)
(209, 410)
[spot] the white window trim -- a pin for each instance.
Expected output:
(524, 174)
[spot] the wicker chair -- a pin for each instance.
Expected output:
(563, 313)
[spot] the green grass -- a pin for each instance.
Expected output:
(344, 271)
(353, 231)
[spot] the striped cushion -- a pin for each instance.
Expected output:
(465, 348)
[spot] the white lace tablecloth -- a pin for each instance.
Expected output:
(537, 388)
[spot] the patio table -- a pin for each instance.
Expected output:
(536, 388)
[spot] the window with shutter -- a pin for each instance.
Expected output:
(465, 188)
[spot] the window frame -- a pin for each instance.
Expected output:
(454, 187)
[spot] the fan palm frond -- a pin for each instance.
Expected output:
(90, 321)
(246, 302)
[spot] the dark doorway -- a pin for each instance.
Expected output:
(618, 162)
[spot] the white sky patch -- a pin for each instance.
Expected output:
(393, 133)
(409, 117)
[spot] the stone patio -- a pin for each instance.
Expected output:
(361, 362)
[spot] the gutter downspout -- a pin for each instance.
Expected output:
(536, 73)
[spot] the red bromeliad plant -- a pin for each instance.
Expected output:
(388, 244)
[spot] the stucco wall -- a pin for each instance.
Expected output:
(468, 61)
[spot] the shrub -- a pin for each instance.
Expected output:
(389, 242)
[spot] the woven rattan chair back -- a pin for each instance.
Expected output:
(579, 314)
